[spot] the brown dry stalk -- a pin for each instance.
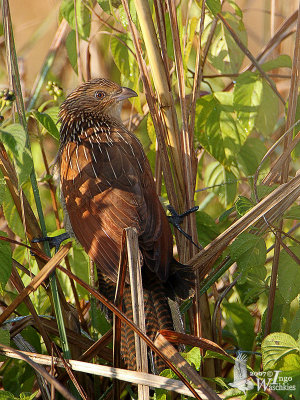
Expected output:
(285, 193)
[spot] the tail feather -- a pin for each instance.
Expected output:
(181, 282)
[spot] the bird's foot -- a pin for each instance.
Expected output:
(176, 220)
(54, 241)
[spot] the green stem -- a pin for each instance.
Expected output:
(15, 78)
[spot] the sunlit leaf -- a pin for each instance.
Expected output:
(14, 137)
(246, 99)
(83, 16)
(268, 111)
(47, 122)
(72, 50)
(225, 55)
(277, 346)
(223, 182)
(289, 274)
(282, 61)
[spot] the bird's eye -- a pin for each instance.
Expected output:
(99, 94)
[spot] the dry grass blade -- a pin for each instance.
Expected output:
(138, 307)
(109, 372)
(285, 193)
(131, 324)
(22, 355)
(177, 359)
(190, 340)
(36, 281)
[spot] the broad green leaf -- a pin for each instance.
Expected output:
(293, 213)
(250, 155)
(14, 137)
(240, 323)
(72, 50)
(123, 57)
(268, 111)
(277, 346)
(289, 274)
(295, 325)
(214, 6)
(243, 205)
(246, 99)
(281, 61)
(11, 214)
(224, 54)
(47, 122)
(83, 16)
(213, 354)
(223, 182)
(216, 129)
(248, 251)
(206, 227)
(193, 357)
(2, 188)
(105, 5)
(123, 16)
(5, 263)
(192, 29)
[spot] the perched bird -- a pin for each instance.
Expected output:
(107, 185)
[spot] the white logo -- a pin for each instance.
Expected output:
(241, 380)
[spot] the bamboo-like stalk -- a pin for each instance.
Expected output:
(165, 99)
(293, 95)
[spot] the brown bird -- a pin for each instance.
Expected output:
(107, 185)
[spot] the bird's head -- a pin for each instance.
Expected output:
(95, 98)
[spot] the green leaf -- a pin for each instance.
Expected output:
(241, 324)
(243, 205)
(5, 263)
(47, 122)
(250, 155)
(213, 354)
(224, 182)
(248, 251)
(83, 15)
(282, 61)
(72, 50)
(193, 357)
(216, 129)
(206, 227)
(14, 137)
(105, 5)
(277, 346)
(214, 6)
(123, 57)
(293, 213)
(224, 54)
(246, 99)
(267, 116)
(289, 274)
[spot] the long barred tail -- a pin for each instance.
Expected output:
(157, 315)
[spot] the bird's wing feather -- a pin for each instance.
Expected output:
(108, 186)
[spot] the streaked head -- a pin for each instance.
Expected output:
(96, 97)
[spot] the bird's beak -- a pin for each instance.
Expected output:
(125, 94)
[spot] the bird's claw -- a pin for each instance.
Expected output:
(54, 241)
(176, 220)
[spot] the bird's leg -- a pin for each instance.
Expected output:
(176, 220)
(54, 241)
